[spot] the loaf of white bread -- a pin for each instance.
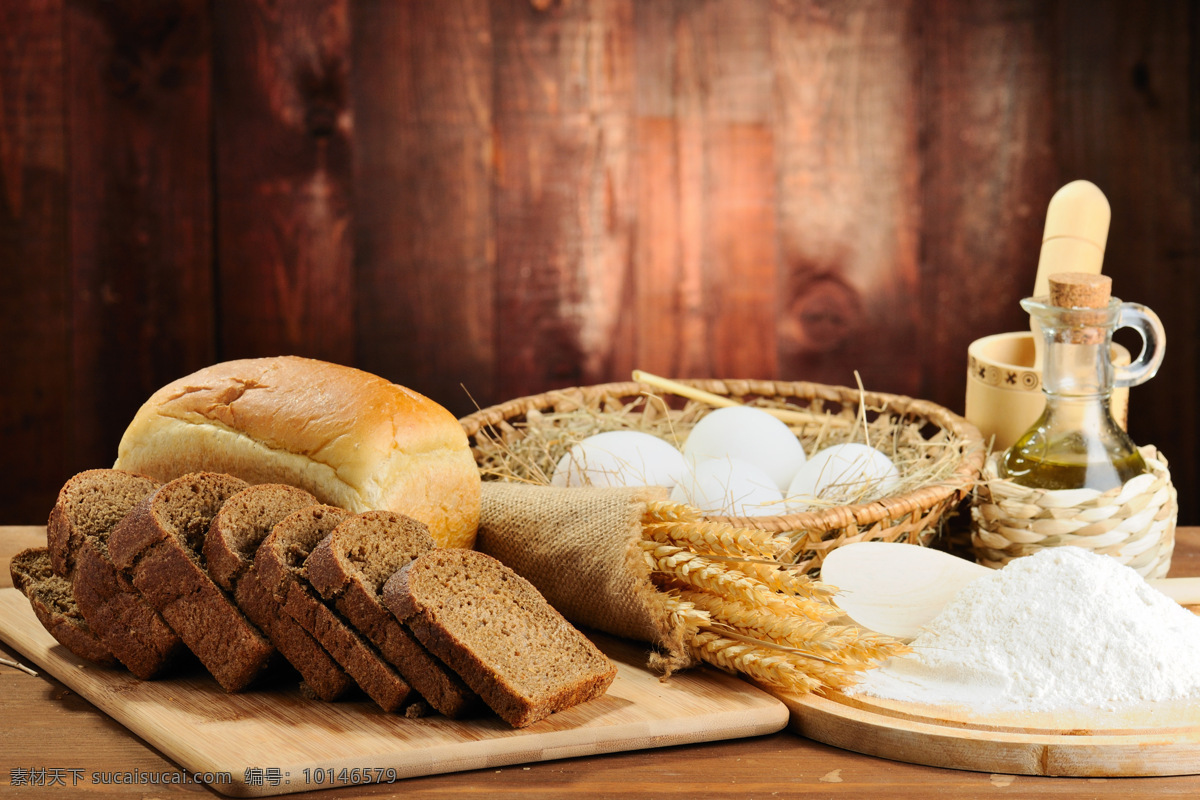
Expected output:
(350, 438)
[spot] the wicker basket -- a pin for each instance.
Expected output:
(913, 516)
(1134, 523)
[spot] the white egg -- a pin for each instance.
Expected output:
(749, 434)
(620, 458)
(728, 487)
(840, 473)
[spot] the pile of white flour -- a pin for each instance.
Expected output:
(1062, 628)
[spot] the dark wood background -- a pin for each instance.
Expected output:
(482, 199)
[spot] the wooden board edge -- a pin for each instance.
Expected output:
(954, 747)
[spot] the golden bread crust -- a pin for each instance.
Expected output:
(352, 439)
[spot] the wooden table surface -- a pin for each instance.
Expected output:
(47, 727)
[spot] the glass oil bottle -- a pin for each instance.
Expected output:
(1076, 443)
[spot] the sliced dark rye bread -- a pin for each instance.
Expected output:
(118, 612)
(498, 633)
(159, 545)
(88, 507)
(280, 564)
(91, 502)
(229, 546)
(54, 605)
(349, 568)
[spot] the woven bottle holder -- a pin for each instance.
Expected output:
(1134, 523)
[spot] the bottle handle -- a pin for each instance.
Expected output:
(1154, 345)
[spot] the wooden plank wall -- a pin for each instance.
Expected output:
(488, 198)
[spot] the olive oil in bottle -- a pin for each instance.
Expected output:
(1076, 443)
(1066, 463)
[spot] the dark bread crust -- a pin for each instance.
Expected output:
(395, 540)
(62, 538)
(229, 546)
(560, 667)
(53, 604)
(87, 508)
(279, 561)
(135, 632)
(320, 671)
(157, 545)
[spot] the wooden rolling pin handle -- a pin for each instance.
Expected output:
(1073, 240)
(1075, 234)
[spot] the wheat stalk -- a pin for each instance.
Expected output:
(761, 619)
(754, 620)
(701, 572)
(846, 645)
(668, 511)
(786, 579)
(717, 539)
(683, 613)
(756, 662)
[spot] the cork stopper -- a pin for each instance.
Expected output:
(1080, 290)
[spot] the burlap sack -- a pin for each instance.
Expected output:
(579, 547)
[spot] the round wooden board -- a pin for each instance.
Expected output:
(1161, 739)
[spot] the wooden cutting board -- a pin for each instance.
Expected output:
(1154, 739)
(274, 741)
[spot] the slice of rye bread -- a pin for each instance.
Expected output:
(158, 544)
(229, 546)
(498, 633)
(54, 605)
(280, 564)
(88, 507)
(349, 568)
(91, 502)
